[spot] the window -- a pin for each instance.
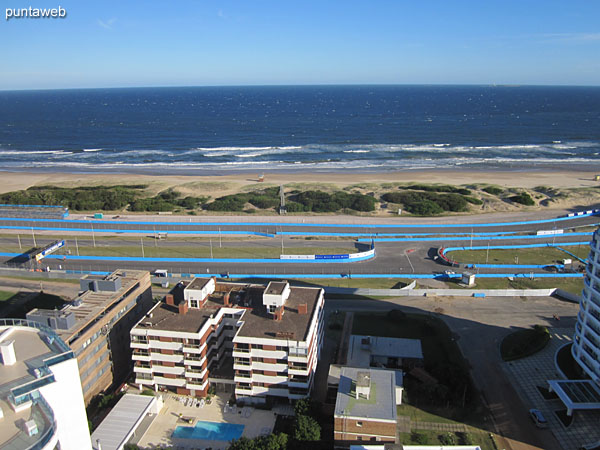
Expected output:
(359, 424)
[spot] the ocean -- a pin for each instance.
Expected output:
(218, 130)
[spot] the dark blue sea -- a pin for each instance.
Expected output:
(211, 130)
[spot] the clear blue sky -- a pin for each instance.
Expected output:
(197, 42)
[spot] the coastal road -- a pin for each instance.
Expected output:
(415, 254)
(391, 257)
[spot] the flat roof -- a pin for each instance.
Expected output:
(275, 287)
(31, 347)
(577, 394)
(198, 283)
(94, 303)
(245, 297)
(121, 422)
(260, 324)
(381, 403)
(359, 353)
(166, 317)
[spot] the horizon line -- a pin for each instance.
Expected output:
(302, 85)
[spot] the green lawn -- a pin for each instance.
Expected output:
(5, 295)
(480, 438)
(538, 255)
(570, 284)
(198, 251)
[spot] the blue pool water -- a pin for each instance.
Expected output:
(212, 431)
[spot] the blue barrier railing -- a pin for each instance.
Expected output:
(315, 225)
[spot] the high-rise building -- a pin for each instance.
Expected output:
(260, 341)
(96, 325)
(41, 401)
(586, 345)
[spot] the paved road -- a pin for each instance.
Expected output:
(480, 326)
(410, 257)
(391, 257)
(273, 225)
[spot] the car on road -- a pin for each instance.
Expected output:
(538, 418)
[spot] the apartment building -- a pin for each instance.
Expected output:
(41, 402)
(97, 323)
(261, 341)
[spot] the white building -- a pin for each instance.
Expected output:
(256, 341)
(586, 345)
(584, 394)
(41, 400)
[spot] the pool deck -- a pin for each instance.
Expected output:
(256, 422)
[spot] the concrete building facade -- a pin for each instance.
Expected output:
(260, 341)
(97, 323)
(586, 342)
(41, 400)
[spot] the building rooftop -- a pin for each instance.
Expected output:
(275, 287)
(259, 323)
(122, 421)
(35, 348)
(381, 403)
(198, 283)
(91, 305)
(361, 348)
(167, 317)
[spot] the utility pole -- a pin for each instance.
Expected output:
(142, 243)
(33, 234)
(220, 246)
(471, 239)
(487, 254)
(282, 249)
(211, 253)
(77, 246)
(93, 237)
(19, 239)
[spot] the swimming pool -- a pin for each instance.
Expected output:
(213, 431)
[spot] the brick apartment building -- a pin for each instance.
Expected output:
(260, 341)
(365, 408)
(96, 326)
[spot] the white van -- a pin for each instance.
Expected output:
(161, 273)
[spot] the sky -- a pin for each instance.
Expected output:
(262, 42)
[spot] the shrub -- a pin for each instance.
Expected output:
(473, 200)
(307, 429)
(319, 201)
(493, 190)
(448, 439)
(419, 438)
(523, 198)
(465, 438)
(148, 392)
(427, 203)
(431, 188)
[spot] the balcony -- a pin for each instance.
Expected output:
(43, 416)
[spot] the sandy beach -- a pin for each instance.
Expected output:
(578, 188)
(226, 184)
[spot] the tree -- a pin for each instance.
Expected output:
(307, 429)
(302, 407)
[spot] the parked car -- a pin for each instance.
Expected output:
(538, 418)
